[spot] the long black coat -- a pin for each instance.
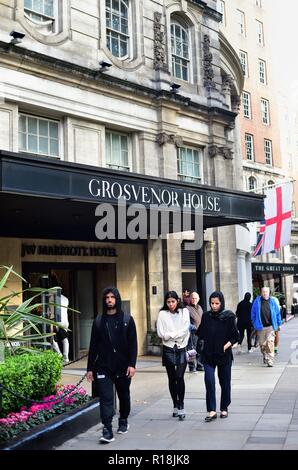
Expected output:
(215, 331)
(243, 313)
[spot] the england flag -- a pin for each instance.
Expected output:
(276, 231)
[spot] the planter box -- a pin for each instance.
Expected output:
(57, 430)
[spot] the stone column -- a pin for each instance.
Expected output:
(172, 266)
(155, 279)
(241, 265)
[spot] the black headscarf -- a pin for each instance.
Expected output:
(247, 297)
(222, 314)
(116, 293)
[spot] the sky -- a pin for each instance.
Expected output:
(284, 37)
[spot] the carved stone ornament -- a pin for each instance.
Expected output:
(225, 152)
(164, 138)
(236, 103)
(159, 43)
(207, 62)
(227, 83)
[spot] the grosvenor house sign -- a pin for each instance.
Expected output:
(149, 195)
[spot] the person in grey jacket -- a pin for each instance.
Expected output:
(195, 314)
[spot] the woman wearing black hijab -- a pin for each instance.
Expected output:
(216, 336)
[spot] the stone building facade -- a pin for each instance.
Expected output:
(144, 87)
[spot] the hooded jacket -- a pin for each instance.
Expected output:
(256, 314)
(113, 344)
(216, 329)
(243, 312)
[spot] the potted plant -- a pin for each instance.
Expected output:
(154, 343)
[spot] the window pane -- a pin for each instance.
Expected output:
(54, 147)
(22, 124)
(54, 130)
(43, 145)
(28, 4)
(115, 148)
(32, 126)
(22, 141)
(37, 6)
(43, 128)
(49, 7)
(108, 147)
(32, 143)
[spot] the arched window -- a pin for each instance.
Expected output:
(270, 184)
(252, 183)
(180, 47)
(117, 27)
(43, 14)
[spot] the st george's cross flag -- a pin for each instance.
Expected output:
(275, 230)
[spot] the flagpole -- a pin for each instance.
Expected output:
(263, 188)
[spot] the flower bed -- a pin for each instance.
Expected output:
(66, 399)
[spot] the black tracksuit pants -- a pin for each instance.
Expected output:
(106, 397)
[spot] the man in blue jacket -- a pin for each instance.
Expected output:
(265, 316)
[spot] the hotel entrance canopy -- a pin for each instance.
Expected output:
(43, 197)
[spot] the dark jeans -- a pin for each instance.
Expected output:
(224, 376)
(106, 397)
(241, 329)
(176, 384)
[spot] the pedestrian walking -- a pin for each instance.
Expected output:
(265, 316)
(186, 296)
(216, 335)
(195, 314)
(112, 361)
(243, 314)
(61, 335)
(173, 328)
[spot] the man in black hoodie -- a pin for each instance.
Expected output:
(112, 360)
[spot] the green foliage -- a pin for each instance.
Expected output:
(20, 329)
(30, 375)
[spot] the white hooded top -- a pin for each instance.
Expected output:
(64, 317)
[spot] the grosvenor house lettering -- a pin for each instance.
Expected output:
(107, 190)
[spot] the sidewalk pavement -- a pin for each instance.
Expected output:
(263, 413)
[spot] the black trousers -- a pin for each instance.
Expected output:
(106, 397)
(241, 329)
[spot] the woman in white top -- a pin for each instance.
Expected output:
(173, 327)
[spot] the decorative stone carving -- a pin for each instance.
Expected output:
(159, 43)
(236, 103)
(212, 150)
(227, 84)
(225, 152)
(207, 60)
(164, 138)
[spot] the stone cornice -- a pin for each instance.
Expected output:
(70, 72)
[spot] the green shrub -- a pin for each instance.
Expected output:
(30, 375)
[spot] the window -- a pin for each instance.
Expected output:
(222, 9)
(244, 62)
(117, 27)
(268, 151)
(262, 72)
(190, 164)
(252, 183)
(246, 105)
(41, 12)
(270, 184)
(265, 111)
(249, 147)
(38, 135)
(117, 151)
(259, 3)
(260, 33)
(241, 22)
(180, 51)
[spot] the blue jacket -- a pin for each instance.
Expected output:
(256, 314)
